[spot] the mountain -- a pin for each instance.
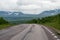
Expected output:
(15, 14)
(7, 15)
(49, 13)
(21, 16)
(10, 14)
(3, 13)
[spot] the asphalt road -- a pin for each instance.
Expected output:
(27, 32)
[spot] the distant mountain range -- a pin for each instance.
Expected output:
(20, 14)
(13, 15)
(10, 14)
(49, 13)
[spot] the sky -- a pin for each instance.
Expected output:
(29, 6)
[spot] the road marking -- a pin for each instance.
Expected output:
(48, 30)
(21, 35)
(58, 39)
(51, 33)
(55, 37)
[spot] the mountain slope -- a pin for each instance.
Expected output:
(51, 21)
(54, 21)
(3, 13)
(10, 14)
(21, 16)
(50, 13)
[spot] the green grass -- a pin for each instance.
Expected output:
(3, 26)
(51, 21)
(53, 24)
(4, 23)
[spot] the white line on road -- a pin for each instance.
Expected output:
(58, 39)
(51, 33)
(55, 37)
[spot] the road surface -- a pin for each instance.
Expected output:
(27, 32)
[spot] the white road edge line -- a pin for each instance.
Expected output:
(55, 37)
(58, 39)
(51, 33)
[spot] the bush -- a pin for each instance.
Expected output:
(2, 21)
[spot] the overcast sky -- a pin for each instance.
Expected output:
(29, 6)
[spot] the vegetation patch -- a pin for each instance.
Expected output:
(52, 21)
(4, 23)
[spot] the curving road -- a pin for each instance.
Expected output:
(27, 32)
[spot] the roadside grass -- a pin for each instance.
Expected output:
(50, 21)
(55, 25)
(3, 26)
(4, 23)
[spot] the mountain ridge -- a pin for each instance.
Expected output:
(21, 14)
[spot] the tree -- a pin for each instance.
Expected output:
(2, 21)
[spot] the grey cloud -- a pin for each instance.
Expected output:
(29, 6)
